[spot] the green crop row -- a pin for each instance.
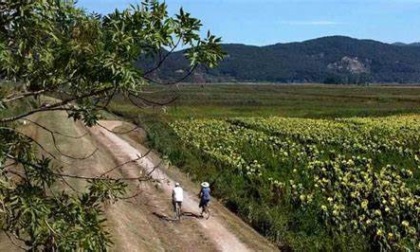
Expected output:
(316, 184)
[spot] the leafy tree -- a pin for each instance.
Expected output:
(51, 47)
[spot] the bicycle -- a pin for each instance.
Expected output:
(205, 213)
(178, 211)
(204, 196)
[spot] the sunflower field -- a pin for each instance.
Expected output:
(346, 184)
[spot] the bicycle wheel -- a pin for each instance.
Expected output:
(178, 212)
(206, 212)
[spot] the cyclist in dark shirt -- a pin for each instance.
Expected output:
(204, 196)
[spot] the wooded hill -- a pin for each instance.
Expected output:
(335, 59)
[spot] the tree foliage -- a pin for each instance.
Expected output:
(51, 47)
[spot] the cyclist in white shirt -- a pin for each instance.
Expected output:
(177, 196)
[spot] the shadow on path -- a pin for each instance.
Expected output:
(191, 214)
(163, 217)
(184, 214)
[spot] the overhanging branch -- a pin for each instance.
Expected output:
(162, 59)
(18, 96)
(55, 106)
(190, 71)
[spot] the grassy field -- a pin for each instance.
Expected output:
(286, 100)
(286, 221)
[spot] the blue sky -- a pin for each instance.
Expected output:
(264, 22)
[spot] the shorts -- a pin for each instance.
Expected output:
(204, 203)
(179, 203)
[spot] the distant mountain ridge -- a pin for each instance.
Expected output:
(405, 44)
(335, 59)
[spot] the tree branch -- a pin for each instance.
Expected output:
(52, 133)
(149, 101)
(147, 177)
(162, 59)
(56, 132)
(32, 140)
(108, 100)
(68, 184)
(55, 105)
(127, 162)
(68, 156)
(172, 82)
(15, 97)
(118, 133)
(23, 177)
(141, 178)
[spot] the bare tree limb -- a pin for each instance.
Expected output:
(127, 162)
(42, 147)
(36, 143)
(55, 105)
(17, 174)
(118, 133)
(162, 59)
(68, 184)
(56, 132)
(8, 165)
(146, 177)
(190, 71)
(114, 91)
(140, 178)
(150, 101)
(18, 96)
(144, 105)
(131, 196)
(68, 156)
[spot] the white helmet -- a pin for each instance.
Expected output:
(176, 184)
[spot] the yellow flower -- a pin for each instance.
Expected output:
(409, 173)
(364, 204)
(405, 223)
(379, 232)
(412, 230)
(393, 201)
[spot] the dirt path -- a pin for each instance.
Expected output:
(214, 228)
(142, 223)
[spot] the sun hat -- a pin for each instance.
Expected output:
(205, 184)
(176, 184)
